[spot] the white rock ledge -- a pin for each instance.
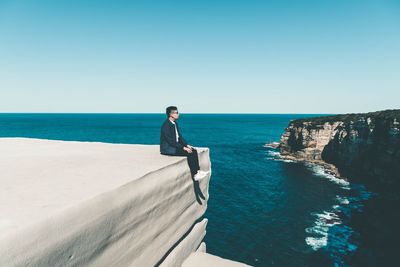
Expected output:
(68, 203)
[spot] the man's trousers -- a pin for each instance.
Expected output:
(192, 158)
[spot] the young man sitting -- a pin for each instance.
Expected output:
(172, 143)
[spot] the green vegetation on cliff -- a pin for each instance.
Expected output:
(384, 114)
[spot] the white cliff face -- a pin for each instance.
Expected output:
(309, 139)
(66, 203)
(188, 245)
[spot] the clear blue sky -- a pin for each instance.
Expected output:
(202, 56)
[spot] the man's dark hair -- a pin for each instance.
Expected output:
(169, 109)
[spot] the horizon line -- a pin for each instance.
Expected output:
(210, 113)
(163, 113)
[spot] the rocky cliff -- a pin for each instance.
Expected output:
(361, 146)
(68, 203)
(364, 148)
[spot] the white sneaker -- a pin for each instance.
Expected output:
(204, 172)
(200, 174)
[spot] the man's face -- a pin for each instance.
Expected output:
(174, 114)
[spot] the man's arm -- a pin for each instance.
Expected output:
(166, 132)
(182, 141)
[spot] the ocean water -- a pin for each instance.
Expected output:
(262, 211)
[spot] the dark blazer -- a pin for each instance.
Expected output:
(168, 144)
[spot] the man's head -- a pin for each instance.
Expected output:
(172, 112)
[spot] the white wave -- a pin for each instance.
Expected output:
(273, 153)
(330, 230)
(317, 242)
(283, 160)
(327, 219)
(276, 155)
(319, 230)
(343, 200)
(321, 172)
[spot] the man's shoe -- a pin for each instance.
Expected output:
(204, 172)
(200, 175)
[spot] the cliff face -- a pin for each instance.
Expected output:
(67, 203)
(359, 145)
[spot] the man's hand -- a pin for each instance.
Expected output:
(188, 149)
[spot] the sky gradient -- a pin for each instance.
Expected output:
(202, 56)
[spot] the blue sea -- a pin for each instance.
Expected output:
(262, 211)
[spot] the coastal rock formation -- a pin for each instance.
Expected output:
(365, 148)
(67, 203)
(359, 145)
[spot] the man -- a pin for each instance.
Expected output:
(172, 143)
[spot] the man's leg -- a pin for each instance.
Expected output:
(193, 159)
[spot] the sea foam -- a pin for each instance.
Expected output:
(321, 172)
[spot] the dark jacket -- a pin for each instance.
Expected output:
(168, 144)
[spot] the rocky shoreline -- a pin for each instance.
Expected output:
(363, 149)
(357, 146)
(328, 167)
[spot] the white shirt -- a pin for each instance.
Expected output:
(176, 131)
